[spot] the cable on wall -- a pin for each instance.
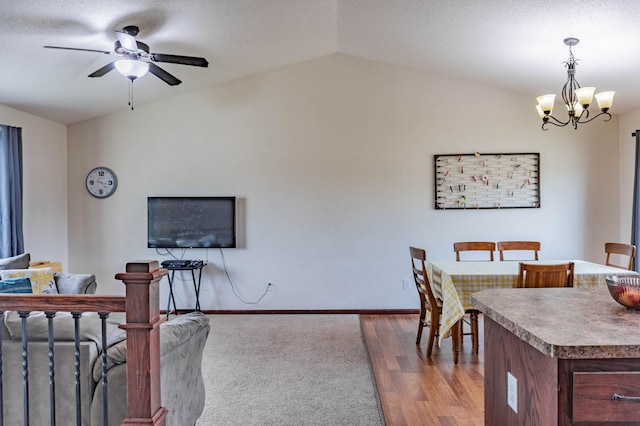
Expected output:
(234, 288)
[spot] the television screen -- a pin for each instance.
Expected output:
(191, 222)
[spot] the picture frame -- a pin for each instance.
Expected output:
(487, 181)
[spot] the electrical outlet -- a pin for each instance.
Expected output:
(406, 284)
(512, 392)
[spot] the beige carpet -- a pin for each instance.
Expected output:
(298, 370)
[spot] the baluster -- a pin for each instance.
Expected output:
(52, 379)
(25, 367)
(105, 388)
(76, 320)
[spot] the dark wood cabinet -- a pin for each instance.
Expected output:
(574, 354)
(553, 391)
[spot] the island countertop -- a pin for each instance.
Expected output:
(567, 323)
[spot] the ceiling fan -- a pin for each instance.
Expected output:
(136, 59)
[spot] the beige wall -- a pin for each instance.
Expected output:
(333, 162)
(44, 151)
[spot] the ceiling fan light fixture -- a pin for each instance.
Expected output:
(132, 68)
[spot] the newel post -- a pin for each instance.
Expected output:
(142, 281)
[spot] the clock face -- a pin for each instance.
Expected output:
(101, 182)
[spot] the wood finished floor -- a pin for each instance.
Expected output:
(416, 390)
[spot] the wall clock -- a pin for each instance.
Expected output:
(102, 182)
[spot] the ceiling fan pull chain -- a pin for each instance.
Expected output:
(131, 93)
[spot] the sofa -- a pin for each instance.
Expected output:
(182, 341)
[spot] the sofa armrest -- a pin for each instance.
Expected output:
(172, 335)
(182, 342)
(75, 283)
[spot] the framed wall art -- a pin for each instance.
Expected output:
(487, 181)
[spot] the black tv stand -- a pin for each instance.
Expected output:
(183, 265)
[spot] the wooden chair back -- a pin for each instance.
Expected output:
(418, 259)
(620, 249)
(428, 303)
(474, 246)
(519, 246)
(540, 275)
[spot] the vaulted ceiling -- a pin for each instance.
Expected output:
(506, 44)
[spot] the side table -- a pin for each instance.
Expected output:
(189, 265)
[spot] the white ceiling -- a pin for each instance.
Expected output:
(507, 44)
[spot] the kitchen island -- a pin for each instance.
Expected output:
(557, 356)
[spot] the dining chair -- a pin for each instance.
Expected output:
(519, 246)
(474, 246)
(536, 275)
(485, 246)
(620, 249)
(429, 303)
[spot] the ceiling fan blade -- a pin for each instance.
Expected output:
(177, 59)
(102, 71)
(81, 50)
(127, 41)
(163, 75)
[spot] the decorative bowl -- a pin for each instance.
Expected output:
(625, 290)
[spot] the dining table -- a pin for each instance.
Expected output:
(454, 282)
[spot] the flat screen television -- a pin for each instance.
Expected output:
(191, 222)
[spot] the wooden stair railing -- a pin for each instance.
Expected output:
(142, 309)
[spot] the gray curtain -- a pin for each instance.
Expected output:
(11, 238)
(635, 220)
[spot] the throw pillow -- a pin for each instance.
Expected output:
(16, 285)
(42, 281)
(20, 261)
(75, 283)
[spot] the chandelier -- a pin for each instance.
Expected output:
(576, 99)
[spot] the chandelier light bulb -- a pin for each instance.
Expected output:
(578, 109)
(605, 100)
(585, 95)
(546, 102)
